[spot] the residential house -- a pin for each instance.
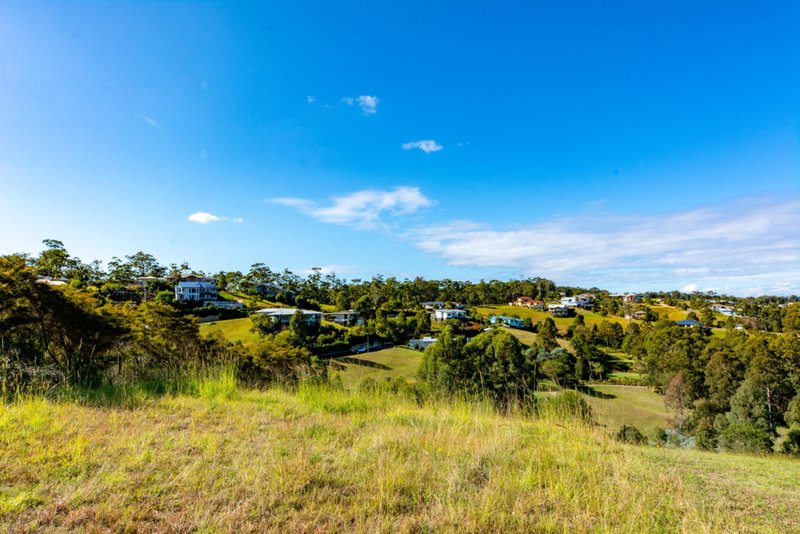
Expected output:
(433, 305)
(514, 322)
(578, 301)
(688, 323)
(445, 313)
(528, 302)
(196, 291)
(271, 290)
(422, 344)
(558, 310)
(343, 317)
(284, 315)
(724, 309)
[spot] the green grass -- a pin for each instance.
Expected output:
(380, 365)
(327, 460)
(232, 329)
(630, 405)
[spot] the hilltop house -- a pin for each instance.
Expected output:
(583, 300)
(422, 344)
(284, 315)
(514, 322)
(558, 310)
(528, 302)
(271, 290)
(688, 323)
(343, 317)
(444, 314)
(196, 291)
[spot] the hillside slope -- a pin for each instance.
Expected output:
(320, 459)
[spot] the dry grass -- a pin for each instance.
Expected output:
(329, 460)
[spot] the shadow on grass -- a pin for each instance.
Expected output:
(588, 390)
(365, 363)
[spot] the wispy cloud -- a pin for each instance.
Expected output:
(204, 217)
(152, 122)
(237, 220)
(361, 209)
(368, 104)
(310, 99)
(426, 145)
(745, 245)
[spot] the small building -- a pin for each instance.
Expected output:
(284, 315)
(433, 305)
(638, 315)
(422, 344)
(558, 310)
(271, 290)
(445, 313)
(578, 301)
(528, 302)
(342, 317)
(226, 304)
(199, 291)
(724, 309)
(513, 322)
(688, 323)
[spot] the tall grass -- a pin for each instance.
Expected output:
(209, 455)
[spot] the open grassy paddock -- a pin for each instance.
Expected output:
(226, 459)
(232, 329)
(395, 362)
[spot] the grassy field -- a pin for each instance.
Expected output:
(538, 316)
(615, 406)
(318, 459)
(380, 365)
(232, 329)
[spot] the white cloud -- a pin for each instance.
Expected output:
(368, 104)
(689, 288)
(152, 122)
(426, 145)
(362, 209)
(237, 220)
(203, 217)
(740, 245)
(310, 99)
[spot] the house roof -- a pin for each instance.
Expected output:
(688, 322)
(197, 284)
(278, 312)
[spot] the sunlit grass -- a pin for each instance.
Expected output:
(219, 458)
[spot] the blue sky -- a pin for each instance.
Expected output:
(627, 145)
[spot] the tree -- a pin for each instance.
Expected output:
(678, 397)
(54, 261)
(423, 322)
(745, 437)
(548, 334)
(298, 328)
(143, 264)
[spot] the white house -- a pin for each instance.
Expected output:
(444, 314)
(578, 301)
(284, 315)
(423, 343)
(196, 291)
(558, 310)
(343, 317)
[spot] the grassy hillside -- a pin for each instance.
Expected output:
(380, 365)
(538, 316)
(232, 329)
(327, 460)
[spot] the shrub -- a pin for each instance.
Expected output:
(791, 444)
(745, 437)
(631, 434)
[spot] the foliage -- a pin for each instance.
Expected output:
(631, 434)
(745, 437)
